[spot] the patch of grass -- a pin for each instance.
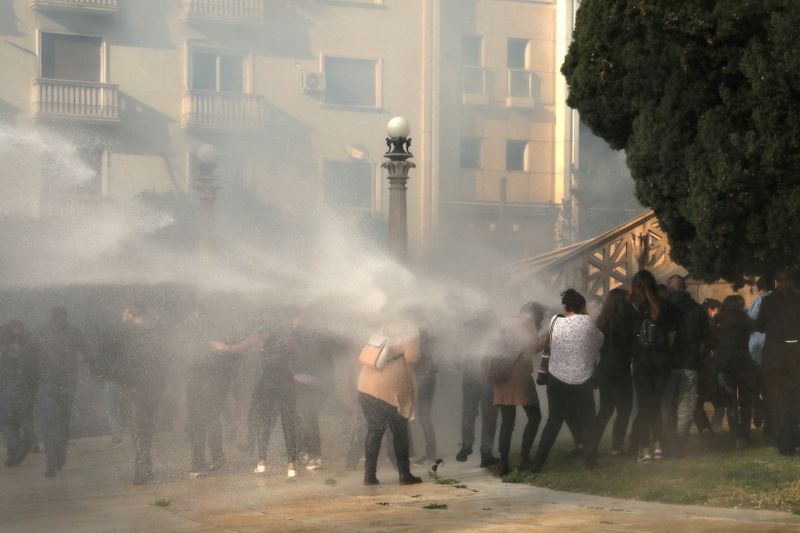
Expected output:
(436, 506)
(163, 503)
(712, 473)
(331, 482)
(448, 481)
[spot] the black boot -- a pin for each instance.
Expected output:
(370, 479)
(409, 479)
(463, 454)
(488, 460)
(503, 468)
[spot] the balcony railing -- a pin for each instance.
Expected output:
(237, 11)
(75, 100)
(521, 84)
(223, 111)
(98, 6)
(72, 205)
(475, 86)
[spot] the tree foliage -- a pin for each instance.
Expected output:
(704, 97)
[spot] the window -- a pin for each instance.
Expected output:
(351, 82)
(517, 49)
(84, 178)
(515, 155)
(71, 57)
(470, 153)
(347, 184)
(471, 53)
(217, 71)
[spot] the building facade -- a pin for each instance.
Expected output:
(295, 96)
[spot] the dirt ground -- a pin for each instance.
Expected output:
(93, 493)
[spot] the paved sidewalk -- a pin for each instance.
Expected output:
(94, 493)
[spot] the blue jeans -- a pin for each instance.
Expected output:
(113, 396)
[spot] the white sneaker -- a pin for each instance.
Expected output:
(291, 473)
(194, 475)
(314, 464)
(261, 468)
(644, 458)
(658, 454)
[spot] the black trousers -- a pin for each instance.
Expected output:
(145, 399)
(616, 395)
(782, 386)
(426, 388)
(310, 399)
(508, 416)
(737, 393)
(649, 381)
(561, 398)
(56, 411)
(477, 397)
(379, 415)
(206, 392)
(275, 397)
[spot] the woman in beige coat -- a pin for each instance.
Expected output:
(387, 398)
(520, 390)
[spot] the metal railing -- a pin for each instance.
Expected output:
(97, 102)
(247, 11)
(72, 205)
(520, 83)
(94, 5)
(220, 110)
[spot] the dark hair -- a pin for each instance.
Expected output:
(573, 301)
(765, 283)
(612, 316)
(731, 304)
(681, 281)
(644, 293)
(535, 310)
(711, 303)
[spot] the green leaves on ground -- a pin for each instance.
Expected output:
(436, 506)
(163, 503)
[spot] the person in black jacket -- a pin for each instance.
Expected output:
(654, 328)
(614, 371)
(736, 370)
(680, 395)
(62, 346)
(19, 380)
(780, 320)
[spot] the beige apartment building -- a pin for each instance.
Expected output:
(295, 96)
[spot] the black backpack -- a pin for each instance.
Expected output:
(650, 335)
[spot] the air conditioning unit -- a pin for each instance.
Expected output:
(313, 82)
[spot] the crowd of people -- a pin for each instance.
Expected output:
(650, 354)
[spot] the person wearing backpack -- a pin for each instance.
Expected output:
(654, 328)
(517, 387)
(680, 396)
(575, 345)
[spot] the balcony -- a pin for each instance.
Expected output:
(212, 110)
(230, 11)
(474, 86)
(75, 100)
(521, 84)
(72, 205)
(93, 6)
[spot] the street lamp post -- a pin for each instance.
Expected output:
(397, 167)
(205, 186)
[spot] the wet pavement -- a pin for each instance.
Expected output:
(93, 493)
